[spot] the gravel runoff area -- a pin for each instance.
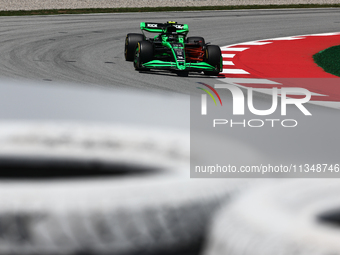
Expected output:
(80, 4)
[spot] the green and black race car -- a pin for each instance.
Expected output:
(172, 50)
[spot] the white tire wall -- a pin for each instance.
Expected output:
(281, 218)
(157, 211)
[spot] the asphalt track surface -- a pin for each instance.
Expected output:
(88, 49)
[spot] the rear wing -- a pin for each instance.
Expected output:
(161, 27)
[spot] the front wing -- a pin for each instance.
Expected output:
(200, 66)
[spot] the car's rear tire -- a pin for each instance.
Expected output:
(143, 54)
(196, 39)
(213, 56)
(130, 45)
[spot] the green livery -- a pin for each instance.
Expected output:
(171, 49)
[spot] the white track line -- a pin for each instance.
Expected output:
(248, 81)
(228, 63)
(325, 34)
(255, 43)
(286, 38)
(228, 55)
(233, 49)
(234, 71)
(329, 104)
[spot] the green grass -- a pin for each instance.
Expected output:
(162, 9)
(329, 60)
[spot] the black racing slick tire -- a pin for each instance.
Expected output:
(288, 217)
(196, 39)
(131, 41)
(213, 56)
(143, 54)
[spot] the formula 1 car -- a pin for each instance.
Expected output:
(172, 50)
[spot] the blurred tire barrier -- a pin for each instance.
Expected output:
(289, 217)
(69, 188)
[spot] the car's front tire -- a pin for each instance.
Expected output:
(131, 41)
(213, 56)
(143, 54)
